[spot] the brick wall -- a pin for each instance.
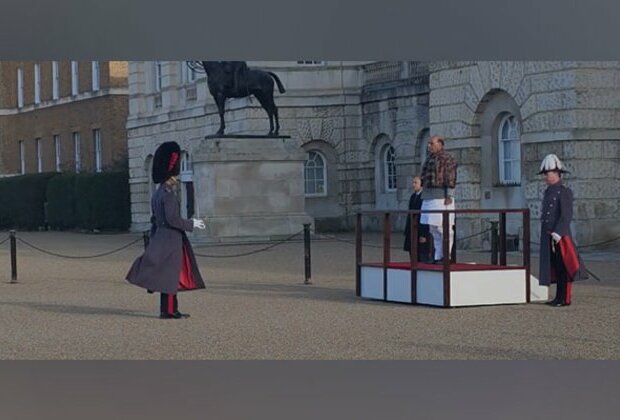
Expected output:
(84, 113)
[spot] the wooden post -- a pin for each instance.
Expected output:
(494, 242)
(387, 231)
(413, 255)
(502, 238)
(307, 260)
(526, 252)
(358, 254)
(446, 258)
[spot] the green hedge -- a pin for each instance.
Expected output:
(61, 201)
(102, 201)
(22, 201)
(85, 201)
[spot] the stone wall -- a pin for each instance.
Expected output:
(348, 111)
(571, 109)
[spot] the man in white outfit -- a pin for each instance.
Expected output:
(439, 181)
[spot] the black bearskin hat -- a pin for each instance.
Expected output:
(166, 162)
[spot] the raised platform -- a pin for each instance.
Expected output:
(463, 284)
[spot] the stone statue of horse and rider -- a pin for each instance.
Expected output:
(234, 79)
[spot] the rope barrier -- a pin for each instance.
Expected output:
(77, 257)
(599, 243)
(474, 235)
(586, 246)
(270, 246)
(352, 242)
(589, 246)
(256, 251)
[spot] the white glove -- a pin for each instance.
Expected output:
(199, 224)
(556, 237)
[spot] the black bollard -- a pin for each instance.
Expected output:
(307, 260)
(13, 257)
(146, 238)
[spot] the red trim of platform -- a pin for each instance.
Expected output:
(439, 267)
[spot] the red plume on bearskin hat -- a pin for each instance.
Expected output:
(166, 162)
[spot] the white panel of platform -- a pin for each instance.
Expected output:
(430, 288)
(372, 282)
(487, 287)
(538, 293)
(399, 285)
(467, 288)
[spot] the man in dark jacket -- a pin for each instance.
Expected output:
(415, 203)
(168, 264)
(559, 260)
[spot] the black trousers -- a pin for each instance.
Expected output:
(561, 294)
(168, 303)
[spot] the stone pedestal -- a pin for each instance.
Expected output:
(249, 188)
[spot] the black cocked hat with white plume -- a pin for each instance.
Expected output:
(552, 163)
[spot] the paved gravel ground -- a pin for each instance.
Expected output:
(257, 307)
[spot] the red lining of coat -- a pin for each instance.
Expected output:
(568, 254)
(186, 278)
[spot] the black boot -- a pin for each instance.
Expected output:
(176, 315)
(168, 307)
(175, 309)
(560, 294)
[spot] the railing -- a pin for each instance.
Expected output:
(383, 71)
(388, 71)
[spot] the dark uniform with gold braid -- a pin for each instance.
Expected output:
(559, 260)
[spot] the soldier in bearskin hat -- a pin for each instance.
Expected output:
(559, 260)
(168, 264)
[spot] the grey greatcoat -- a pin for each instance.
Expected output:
(159, 268)
(556, 215)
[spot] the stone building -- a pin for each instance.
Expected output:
(364, 127)
(502, 118)
(62, 115)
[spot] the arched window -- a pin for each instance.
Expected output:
(189, 74)
(186, 163)
(148, 169)
(315, 174)
(187, 185)
(158, 76)
(509, 140)
(389, 168)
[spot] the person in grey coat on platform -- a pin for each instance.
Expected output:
(424, 237)
(168, 264)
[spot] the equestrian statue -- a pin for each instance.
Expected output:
(234, 79)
